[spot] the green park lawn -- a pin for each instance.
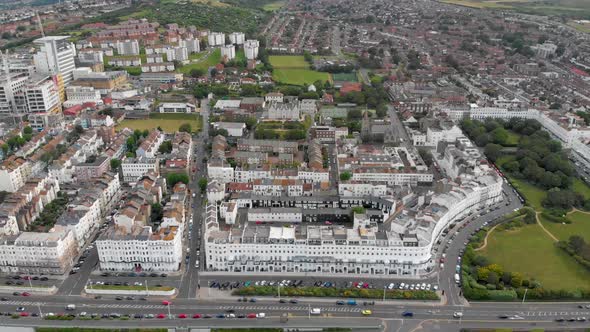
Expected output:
(168, 122)
(271, 7)
(210, 61)
(580, 226)
(292, 69)
(531, 251)
(582, 188)
(513, 138)
(533, 194)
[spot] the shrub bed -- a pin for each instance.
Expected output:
(338, 292)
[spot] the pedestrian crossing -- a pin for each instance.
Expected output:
(23, 303)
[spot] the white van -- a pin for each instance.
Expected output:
(315, 311)
(71, 307)
(457, 278)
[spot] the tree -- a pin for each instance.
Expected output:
(516, 279)
(493, 278)
(251, 122)
(426, 156)
(499, 136)
(345, 176)
(493, 151)
(203, 184)
(5, 149)
(482, 273)
(197, 72)
(27, 130)
(248, 90)
(174, 178)
(78, 129)
(307, 57)
(115, 164)
(165, 147)
(185, 127)
(358, 209)
(145, 133)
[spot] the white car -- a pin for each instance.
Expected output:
(83, 314)
(390, 286)
(261, 315)
(402, 285)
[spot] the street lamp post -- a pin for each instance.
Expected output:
(279, 290)
(384, 288)
(524, 295)
(147, 291)
(169, 314)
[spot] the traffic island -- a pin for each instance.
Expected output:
(130, 290)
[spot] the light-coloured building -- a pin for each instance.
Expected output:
(39, 253)
(133, 169)
(234, 129)
(237, 38)
(228, 52)
(14, 172)
(284, 111)
(191, 45)
(176, 54)
(131, 244)
(127, 47)
(251, 49)
(55, 56)
(402, 247)
(42, 96)
(216, 39)
(149, 146)
(78, 95)
(177, 108)
(157, 67)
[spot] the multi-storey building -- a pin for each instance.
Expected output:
(133, 169)
(55, 56)
(251, 49)
(82, 94)
(127, 47)
(149, 146)
(14, 172)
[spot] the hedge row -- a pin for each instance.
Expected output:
(564, 246)
(337, 292)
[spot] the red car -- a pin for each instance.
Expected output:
(24, 314)
(197, 316)
(251, 316)
(26, 278)
(161, 316)
(181, 315)
(166, 302)
(365, 285)
(26, 294)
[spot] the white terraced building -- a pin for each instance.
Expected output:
(401, 246)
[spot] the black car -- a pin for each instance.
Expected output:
(119, 298)
(105, 316)
(571, 319)
(163, 275)
(118, 283)
(9, 282)
(4, 299)
(560, 319)
(241, 316)
(207, 316)
(35, 278)
(105, 274)
(98, 297)
(153, 275)
(340, 302)
(138, 316)
(130, 298)
(43, 278)
(20, 283)
(16, 293)
(132, 274)
(503, 316)
(293, 301)
(282, 301)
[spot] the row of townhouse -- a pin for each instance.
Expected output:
(54, 251)
(132, 244)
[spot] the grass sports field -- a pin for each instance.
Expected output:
(346, 77)
(531, 251)
(292, 69)
(168, 122)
